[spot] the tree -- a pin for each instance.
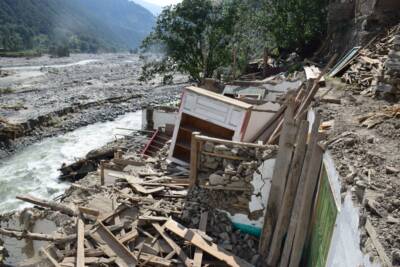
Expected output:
(195, 37)
(292, 25)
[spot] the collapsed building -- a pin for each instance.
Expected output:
(254, 173)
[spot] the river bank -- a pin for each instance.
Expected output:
(47, 97)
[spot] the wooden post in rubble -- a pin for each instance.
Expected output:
(193, 159)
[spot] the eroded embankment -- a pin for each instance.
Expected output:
(66, 97)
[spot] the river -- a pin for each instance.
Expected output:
(34, 170)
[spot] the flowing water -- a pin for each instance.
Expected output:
(34, 170)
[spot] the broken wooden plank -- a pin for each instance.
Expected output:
(129, 237)
(125, 257)
(80, 251)
(152, 259)
(198, 254)
(48, 204)
(97, 261)
(58, 239)
(378, 246)
(306, 208)
(211, 248)
(50, 258)
(279, 178)
(182, 255)
(89, 211)
(289, 195)
(140, 189)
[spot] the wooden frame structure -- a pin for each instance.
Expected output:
(196, 150)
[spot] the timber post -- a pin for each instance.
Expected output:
(193, 159)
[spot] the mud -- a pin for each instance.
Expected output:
(46, 97)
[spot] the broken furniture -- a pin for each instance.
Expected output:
(215, 116)
(211, 114)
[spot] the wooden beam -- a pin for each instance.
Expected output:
(80, 251)
(227, 142)
(178, 250)
(49, 204)
(279, 178)
(50, 258)
(89, 211)
(378, 246)
(194, 161)
(115, 247)
(198, 254)
(302, 224)
(289, 195)
(211, 248)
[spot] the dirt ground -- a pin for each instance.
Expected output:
(368, 161)
(50, 96)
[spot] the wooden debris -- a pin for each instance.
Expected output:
(198, 254)
(377, 244)
(80, 251)
(50, 258)
(115, 247)
(211, 249)
(188, 262)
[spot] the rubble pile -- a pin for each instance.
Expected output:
(133, 217)
(376, 69)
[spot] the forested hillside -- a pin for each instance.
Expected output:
(81, 25)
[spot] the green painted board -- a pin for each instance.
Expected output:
(323, 223)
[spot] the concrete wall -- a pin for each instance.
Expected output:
(160, 118)
(259, 199)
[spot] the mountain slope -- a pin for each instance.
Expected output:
(153, 8)
(84, 25)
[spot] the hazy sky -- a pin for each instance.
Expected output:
(163, 2)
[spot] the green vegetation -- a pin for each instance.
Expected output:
(194, 36)
(292, 25)
(204, 38)
(81, 26)
(7, 90)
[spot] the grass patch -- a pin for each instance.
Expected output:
(25, 53)
(7, 90)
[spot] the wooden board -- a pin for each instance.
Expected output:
(80, 251)
(114, 247)
(324, 219)
(219, 97)
(210, 248)
(279, 177)
(178, 250)
(198, 254)
(306, 208)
